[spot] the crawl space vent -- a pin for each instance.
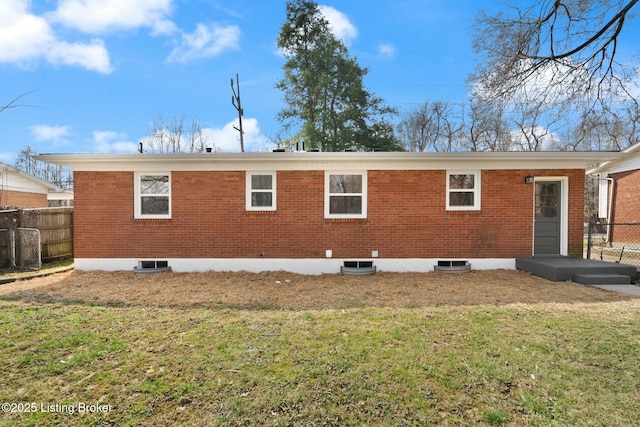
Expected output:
(358, 268)
(152, 266)
(453, 266)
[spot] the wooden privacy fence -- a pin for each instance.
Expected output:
(55, 225)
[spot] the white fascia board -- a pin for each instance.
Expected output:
(17, 180)
(22, 184)
(629, 159)
(266, 161)
(628, 164)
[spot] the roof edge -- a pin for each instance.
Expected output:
(305, 160)
(624, 154)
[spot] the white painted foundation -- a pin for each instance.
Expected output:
(295, 265)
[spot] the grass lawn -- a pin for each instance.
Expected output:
(537, 364)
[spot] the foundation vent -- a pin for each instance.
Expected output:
(152, 266)
(450, 266)
(358, 268)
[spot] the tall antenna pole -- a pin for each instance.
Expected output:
(235, 101)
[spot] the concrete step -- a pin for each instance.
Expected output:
(602, 279)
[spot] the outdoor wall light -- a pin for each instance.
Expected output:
(528, 179)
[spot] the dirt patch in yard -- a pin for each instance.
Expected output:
(282, 290)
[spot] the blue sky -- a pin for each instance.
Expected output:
(99, 72)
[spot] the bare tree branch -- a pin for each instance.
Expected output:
(564, 48)
(554, 67)
(617, 20)
(14, 102)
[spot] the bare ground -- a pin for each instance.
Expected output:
(282, 290)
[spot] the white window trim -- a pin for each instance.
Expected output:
(249, 190)
(476, 191)
(137, 196)
(327, 194)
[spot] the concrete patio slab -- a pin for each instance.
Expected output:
(561, 268)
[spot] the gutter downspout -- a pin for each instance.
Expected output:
(610, 213)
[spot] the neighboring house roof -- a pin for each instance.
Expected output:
(12, 179)
(331, 160)
(629, 160)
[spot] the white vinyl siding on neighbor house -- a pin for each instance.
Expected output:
(463, 190)
(152, 195)
(603, 198)
(261, 191)
(345, 194)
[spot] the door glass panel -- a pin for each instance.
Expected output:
(547, 200)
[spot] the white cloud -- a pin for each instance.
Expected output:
(386, 51)
(47, 133)
(205, 42)
(112, 142)
(92, 56)
(100, 16)
(227, 138)
(21, 34)
(26, 38)
(339, 23)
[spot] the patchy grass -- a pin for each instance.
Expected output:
(536, 364)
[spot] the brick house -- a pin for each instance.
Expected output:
(19, 189)
(619, 192)
(310, 212)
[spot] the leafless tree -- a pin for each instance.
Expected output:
(433, 126)
(563, 51)
(171, 136)
(487, 129)
(51, 173)
(597, 131)
(535, 126)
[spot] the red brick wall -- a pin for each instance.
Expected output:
(406, 218)
(626, 200)
(576, 212)
(627, 196)
(22, 199)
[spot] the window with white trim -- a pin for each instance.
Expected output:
(345, 195)
(463, 190)
(152, 195)
(261, 191)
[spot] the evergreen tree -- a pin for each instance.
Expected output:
(324, 90)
